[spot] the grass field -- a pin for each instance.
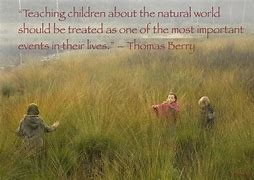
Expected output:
(107, 127)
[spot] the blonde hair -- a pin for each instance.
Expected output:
(204, 101)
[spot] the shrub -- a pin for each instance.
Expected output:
(93, 151)
(7, 89)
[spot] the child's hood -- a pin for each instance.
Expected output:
(33, 109)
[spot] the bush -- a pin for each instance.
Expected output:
(7, 89)
(93, 151)
(190, 146)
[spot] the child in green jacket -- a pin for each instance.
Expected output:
(32, 128)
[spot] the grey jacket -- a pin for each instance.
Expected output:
(207, 117)
(32, 129)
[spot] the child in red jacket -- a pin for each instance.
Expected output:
(169, 109)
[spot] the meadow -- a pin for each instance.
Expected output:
(108, 129)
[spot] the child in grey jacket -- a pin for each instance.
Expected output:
(206, 112)
(32, 129)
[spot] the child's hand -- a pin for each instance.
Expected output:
(56, 124)
(154, 106)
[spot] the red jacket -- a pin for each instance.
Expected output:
(166, 110)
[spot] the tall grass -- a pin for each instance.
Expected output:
(108, 129)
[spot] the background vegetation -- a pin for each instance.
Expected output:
(108, 129)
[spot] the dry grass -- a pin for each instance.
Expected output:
(108, 129)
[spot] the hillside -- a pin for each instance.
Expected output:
(108, 129)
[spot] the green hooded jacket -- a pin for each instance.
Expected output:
(32, 128)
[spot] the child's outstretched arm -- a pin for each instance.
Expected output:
(50, 128)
